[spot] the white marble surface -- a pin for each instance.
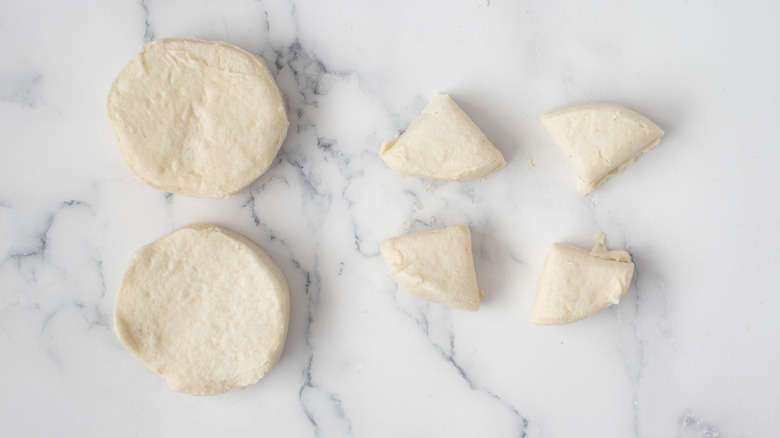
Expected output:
(692, 350)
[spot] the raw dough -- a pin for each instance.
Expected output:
(576, 283)
(600, 139)
(197, 118)
(443, 143)
(436, 266)
(205, 308)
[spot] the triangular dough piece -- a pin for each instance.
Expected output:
(576, 283)
(600, 139)
(443, 143)
(436, 266)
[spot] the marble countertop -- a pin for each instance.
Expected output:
(692, 350)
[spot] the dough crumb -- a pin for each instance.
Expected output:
(406, 223)
(529, 161)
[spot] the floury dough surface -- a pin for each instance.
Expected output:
(600, 139)
(205, 308)
(443, 143)
(697, 213)
(197, 118)
(576, 283)
(436, 266)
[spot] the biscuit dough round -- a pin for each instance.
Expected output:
(205, 308)
(197, 118)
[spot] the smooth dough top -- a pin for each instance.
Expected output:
(435, 265)
(443, 143)
(600, 139)
(576, 283)
(205, 308)
(197, 118)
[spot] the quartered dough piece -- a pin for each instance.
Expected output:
(576, 283)
(436, 266)
(600, 139)
(443, 143)
(197, 118)
(205, 308)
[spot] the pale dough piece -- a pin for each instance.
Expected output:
(443, 143)
(600, 139)
(205, 308)
(576, 283)
(197, 118)
(436, 266)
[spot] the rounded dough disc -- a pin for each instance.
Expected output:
(197, 118)
(205, 308)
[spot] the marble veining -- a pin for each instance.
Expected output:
(23, 91)
(441, 337)
(148, 32)
(691, 350)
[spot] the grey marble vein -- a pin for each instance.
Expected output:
(446, 349)
(96, 317)
(295, 168)
(691, 426)
(700, 309)
(312, 395)
(149, 34)
(23, 90)
(323, 409)
(37, 245)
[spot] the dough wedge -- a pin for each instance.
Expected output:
(443, 143)
(600, 139)
(435, 265)
(576, 283)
